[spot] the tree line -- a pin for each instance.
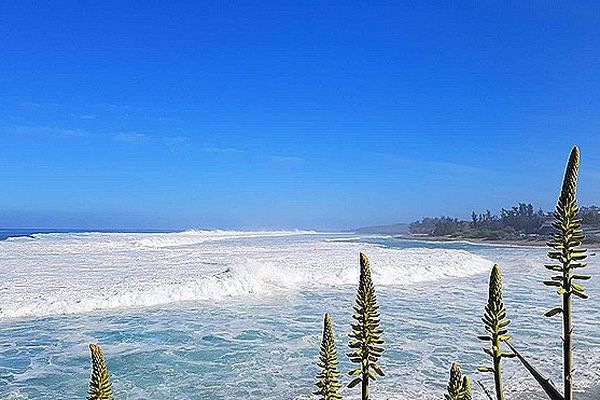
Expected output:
(515, 222)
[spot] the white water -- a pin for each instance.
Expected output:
(52, 274)
(226, 315)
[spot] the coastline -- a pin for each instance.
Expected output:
(525, 243)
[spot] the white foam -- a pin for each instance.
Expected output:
(192, 237)
(77, 273)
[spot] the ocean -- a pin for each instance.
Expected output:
(228, 315)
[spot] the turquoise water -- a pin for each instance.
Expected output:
(264, 345)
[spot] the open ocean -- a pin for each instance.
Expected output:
(229, 315)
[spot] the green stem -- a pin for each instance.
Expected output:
(498, 366)
(567, 333)
(365, 387)
(365, 375)
(567, 319)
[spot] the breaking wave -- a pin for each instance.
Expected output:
(54, 274)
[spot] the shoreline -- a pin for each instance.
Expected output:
(525, 243)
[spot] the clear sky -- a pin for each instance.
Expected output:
(324, 115)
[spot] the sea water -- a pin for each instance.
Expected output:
(228, 315)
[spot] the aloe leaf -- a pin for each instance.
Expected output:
(354, 382)
(553, 312)
(545, 383)
(582, 277)
(487, 393)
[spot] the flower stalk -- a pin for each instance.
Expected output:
(100, 387)
(495, 323)
(365, 337)
(328, 383)
(567, 256)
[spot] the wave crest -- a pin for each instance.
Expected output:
(66, 273)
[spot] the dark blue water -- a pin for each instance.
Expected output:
(6, 233)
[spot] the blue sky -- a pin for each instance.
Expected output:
(326, 115)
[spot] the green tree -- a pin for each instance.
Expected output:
(366, 335)
(328, 378)
(100, 388)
